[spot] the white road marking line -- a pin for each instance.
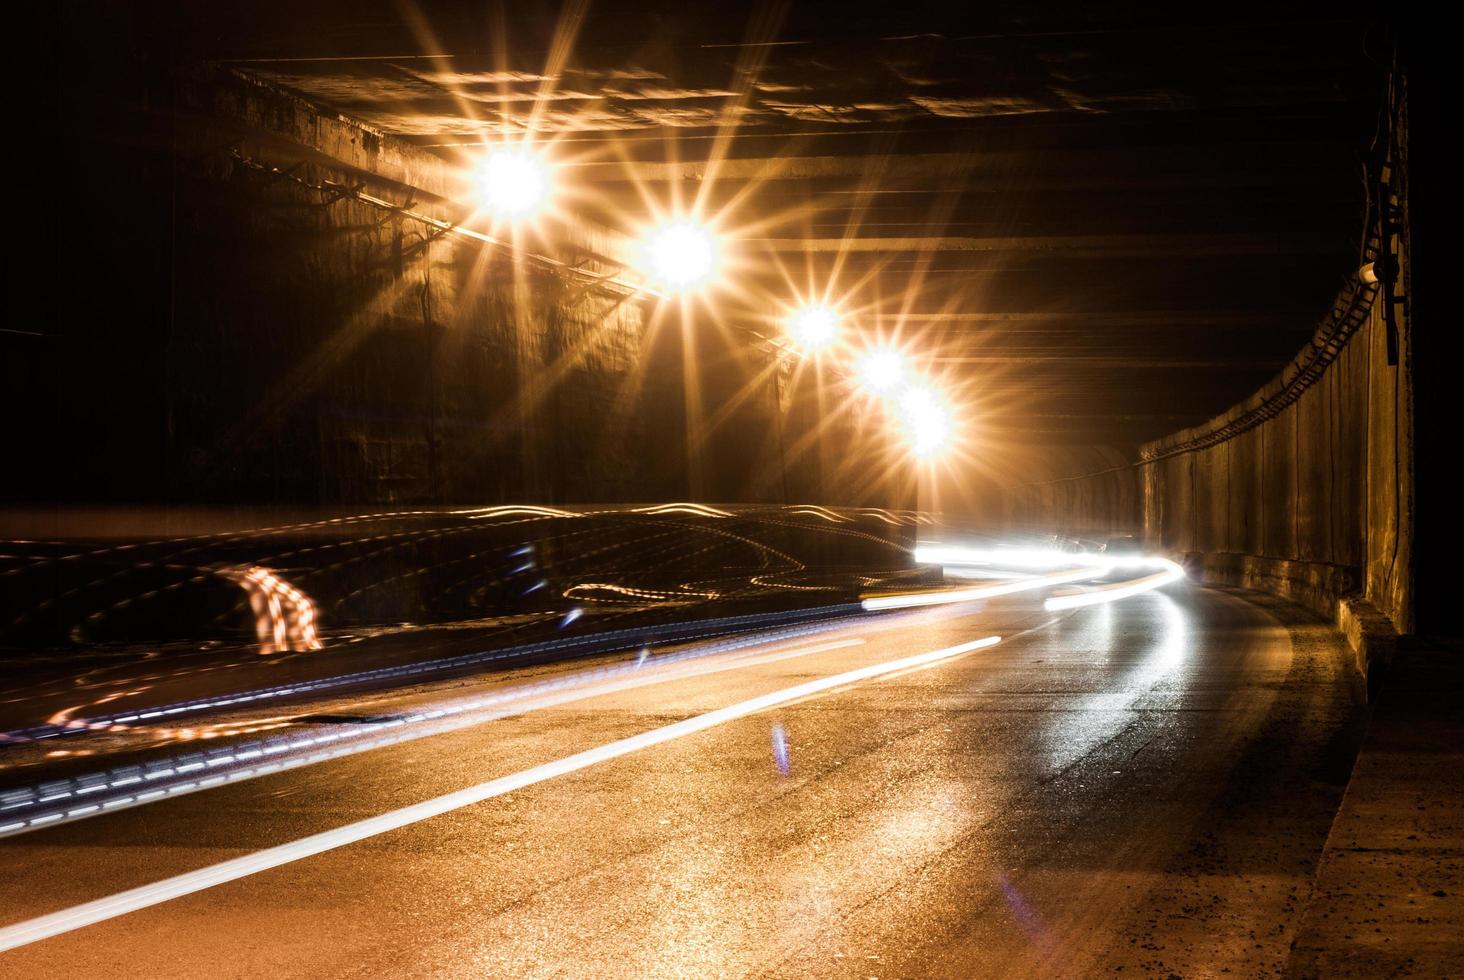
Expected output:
(77, 917)
(467, 714)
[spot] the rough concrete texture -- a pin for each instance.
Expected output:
(1087, 491)
(1371, 637)
(1318, 497)
(1315, 585)
(1313, 504)
(1389, 897)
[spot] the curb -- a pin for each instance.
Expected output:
(1370, 636)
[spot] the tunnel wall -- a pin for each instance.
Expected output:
(1082, 492)
(1305, 489)
(234, 322)
(1313, 504)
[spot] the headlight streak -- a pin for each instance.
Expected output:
(605, 641)
(763, 581)
(913, 599)
(100, 910)
(171, 775)
(588, 590)
(1112, 593)
(693, 510)
(1015, 557)
(513, 510)
(1090, 565)
(879, 513)
(814, 510)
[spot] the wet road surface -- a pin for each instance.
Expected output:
(1143, 786)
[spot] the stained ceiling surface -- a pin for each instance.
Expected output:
(1098, 226)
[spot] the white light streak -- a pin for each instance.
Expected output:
(693, 510)
(1112, 593)
(1092, 564)
(471, 711)
(518, 510)
(90, 913)
(945, 596)
(943, 554)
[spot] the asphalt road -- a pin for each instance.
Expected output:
(1143, 786)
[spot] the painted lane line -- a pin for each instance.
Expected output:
(145, 896)
(471, 712)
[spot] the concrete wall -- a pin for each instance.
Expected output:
(1314, 503)
(217, 332)
(1317, 502)
(1084, 492)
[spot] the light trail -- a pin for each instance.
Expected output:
(513, 510)
(908, 600)
(1112, 593)
(102, 909)
(603, 641)
(179, 775)
(962, 558)
(284, 616)
(1010, 557)
(692, 510)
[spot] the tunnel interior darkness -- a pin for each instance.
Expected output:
(1096, 228)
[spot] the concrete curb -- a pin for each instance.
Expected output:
(1328, 590)
(1315, 585)
(1388, 899)
(1370, 636)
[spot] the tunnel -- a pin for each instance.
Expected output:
(782, 488)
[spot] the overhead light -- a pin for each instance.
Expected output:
(681, 255)
(814, 327)
(926, 421)
(513, 183)
(880, 371)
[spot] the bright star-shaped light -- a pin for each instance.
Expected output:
(926, 421)
(880, 371)
(681, 255)
(513, 183)
(814, 327)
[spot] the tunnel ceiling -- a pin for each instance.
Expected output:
(1098, 227)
